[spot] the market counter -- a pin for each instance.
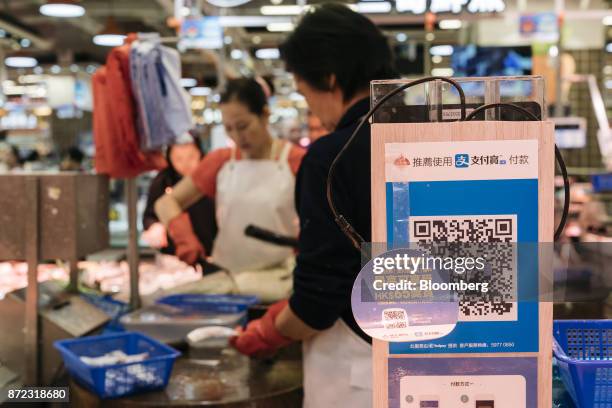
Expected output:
(258, 384)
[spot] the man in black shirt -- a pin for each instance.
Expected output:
(333, 53)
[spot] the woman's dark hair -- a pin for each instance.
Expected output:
(331, 39)
(246, 91)
(194, 139)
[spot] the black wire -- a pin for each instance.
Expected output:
(566, 186)
(346, 227)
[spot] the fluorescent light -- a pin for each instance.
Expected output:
(372, 7)
(109, 40)
(188, 82)
(251, 21)
(200, 91)
(441, 50)
(20, 62)
(62, 10)
(267, 53)
(287, 10)
(450, 24)
(607, 21)
(280, 27)
(401, 37)
(236, 54)
(443, 72)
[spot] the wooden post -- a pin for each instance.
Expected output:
(32, 235)
(131, 193)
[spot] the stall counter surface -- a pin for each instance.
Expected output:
(243, 383)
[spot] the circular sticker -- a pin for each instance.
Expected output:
(399, 296)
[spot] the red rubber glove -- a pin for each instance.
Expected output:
(188, 246)
(261, 337)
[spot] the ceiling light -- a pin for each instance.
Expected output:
(436, 59)
(38, 70)
(282, 10)
(441, 50)
(62, 9)
(74, 68)
(371, 7)
(450, 24)
(251, 21)
(607, 21)
(267, 53)
(188, 82)
(185, 11)
(56, 69)
(443, 72)
(401, 37)
(200, 91)
(609, 47)
(25, 42)
(236, 54)
(109, 40)
(430, 37)
(20, 62)
(256, 39)
(110, 36)
(280, 27)
(227, 40)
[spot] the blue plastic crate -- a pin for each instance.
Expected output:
(601, 182)
(583, 350)
(113, 308)
(120, 379)
(210, 303)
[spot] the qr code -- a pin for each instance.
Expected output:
(395, 318)
(492, 237)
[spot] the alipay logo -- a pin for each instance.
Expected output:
(462, 160)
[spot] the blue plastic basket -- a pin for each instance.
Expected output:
(210, 303)
(120, 379)
(583, 350)
(113, 308)
(601, 182)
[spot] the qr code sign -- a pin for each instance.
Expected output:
(395, 318)
(492, 237)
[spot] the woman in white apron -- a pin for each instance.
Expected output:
(252, 183)
(333, 54)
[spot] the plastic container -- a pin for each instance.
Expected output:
(119, 379)
(113, 308)
(583, 350)
(171, 325)
(601, 182)
(210, 303)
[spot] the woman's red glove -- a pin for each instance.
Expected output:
(261, 337)
(188, 246)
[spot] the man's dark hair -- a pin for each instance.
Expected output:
(246, 91)
(331, 39)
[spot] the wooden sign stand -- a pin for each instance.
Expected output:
(384, 133)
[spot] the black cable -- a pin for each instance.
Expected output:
(346, 227)
(566, 186)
